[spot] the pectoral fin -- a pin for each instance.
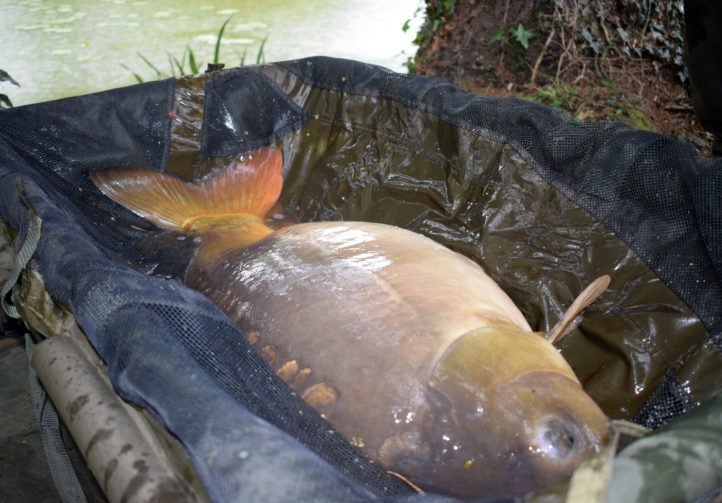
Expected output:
(567, 323)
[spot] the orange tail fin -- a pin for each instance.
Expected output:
(248, 187)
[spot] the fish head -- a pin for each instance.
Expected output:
(507, 416)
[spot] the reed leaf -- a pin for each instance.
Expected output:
(192, 60)
(217, 51)
(158, 73)
(137, 77)
(260, 57)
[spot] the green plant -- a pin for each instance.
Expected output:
(559, 96)
(498, 37)
(438, 12)
(178, 66)
(523, 36)
(520, 34)
(4, 99)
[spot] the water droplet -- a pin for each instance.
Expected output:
(243, 454)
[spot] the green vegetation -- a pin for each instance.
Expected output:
(605, 104)
(558, 96)
(523, 36)
(178, 67)
(4, 99)
(437, 13)
(520, 34)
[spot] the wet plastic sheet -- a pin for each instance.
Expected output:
(543, 203)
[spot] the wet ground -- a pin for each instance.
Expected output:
(25, 473)
(25, 476)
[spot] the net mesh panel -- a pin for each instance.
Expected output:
(65, 139)
(196, 372)
(670, 399)
(243, 118)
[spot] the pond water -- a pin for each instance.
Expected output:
(57, 49)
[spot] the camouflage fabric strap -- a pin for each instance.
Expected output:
(590, 481)
(29, 237)
(61, 467)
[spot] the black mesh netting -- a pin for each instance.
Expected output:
(172, 351)
(239, 119)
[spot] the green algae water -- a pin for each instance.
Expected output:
(57, 49)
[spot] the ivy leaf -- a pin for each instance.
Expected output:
(590, 40)
(406, 25)
(523, 36)
(623, 34)
(497, 36)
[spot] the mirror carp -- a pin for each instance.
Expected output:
(407, 348)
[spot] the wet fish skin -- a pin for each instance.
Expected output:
(403, 345)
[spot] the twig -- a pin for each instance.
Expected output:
(679, 108)
(581, 74)
(646, 24)
(532, 80)
(565, 52)
(506, 14)
(500, 61)
(407, 481)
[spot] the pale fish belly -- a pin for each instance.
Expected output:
(354, 315)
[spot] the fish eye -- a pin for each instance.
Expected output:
(557, 440)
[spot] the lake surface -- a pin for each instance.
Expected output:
(58, 49)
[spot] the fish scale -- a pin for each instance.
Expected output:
(317, 394)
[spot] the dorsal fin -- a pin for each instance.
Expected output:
(249, 186)
(566, 324)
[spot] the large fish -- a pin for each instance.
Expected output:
(409, 349)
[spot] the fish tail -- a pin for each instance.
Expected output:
(249, 187)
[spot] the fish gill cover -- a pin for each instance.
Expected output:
(543, 203)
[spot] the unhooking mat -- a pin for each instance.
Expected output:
(544, 203)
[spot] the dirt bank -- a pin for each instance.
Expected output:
(522, 49)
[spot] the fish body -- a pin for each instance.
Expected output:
(409, 349)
